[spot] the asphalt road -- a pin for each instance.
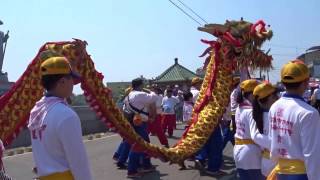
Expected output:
(100, 153)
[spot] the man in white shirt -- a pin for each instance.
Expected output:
(179, 107)
(307, 96)
(316, 94)
(155, 127)
(233, 100)
(195, 88)
(228, 124)
(294, 129)
(169, 117)
(122, 153)
(56, 135)
(142, 106)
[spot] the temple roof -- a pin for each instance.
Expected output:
(176, 72)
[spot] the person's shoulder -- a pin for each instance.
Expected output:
(63, 110)
(235, 90)
(165, 99)
(134, 93)
(297, 106)
(193, 89)
(305, 107)
(307, 113)
(246, 114)
(282, 102)
(247, 111)
(278, 102)
(176, 98)
(139, 94)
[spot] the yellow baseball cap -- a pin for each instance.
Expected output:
(195, 80)
(263, 90)
(294, 72)
(57, 65)
(248, 85)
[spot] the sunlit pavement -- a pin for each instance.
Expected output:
(100, 153)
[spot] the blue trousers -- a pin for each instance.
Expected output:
(118, 151)
(212, 150)
(292, 177)
(136, 157)
(228, 135)
(122, 152)
(250, 174)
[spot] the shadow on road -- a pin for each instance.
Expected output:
(153, 176)
(228, 171)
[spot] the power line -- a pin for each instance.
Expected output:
(194, 19)
(289, 55)
(285, 46)
(186, 6)
(184, 12)
(195, 13)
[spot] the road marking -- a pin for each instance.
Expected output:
(86, 140)
(105, 137)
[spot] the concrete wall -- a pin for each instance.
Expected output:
(89, 122)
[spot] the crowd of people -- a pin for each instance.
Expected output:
(153, 111)
(274, 132)
(139, 101)
(273, 129)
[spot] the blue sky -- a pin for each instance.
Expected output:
(128, 38)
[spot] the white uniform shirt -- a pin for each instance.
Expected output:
(187, 111)
(233, 100)
(316, 92)
(140, 100)
(282, 93)
(295, 133)
(195, 93)
(168, 104)
(307, 95)
(247, 156)
(58, 147)
(158, 99)
(264, 141)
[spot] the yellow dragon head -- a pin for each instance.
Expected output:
(240, 43)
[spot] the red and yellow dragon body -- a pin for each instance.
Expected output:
(238, 44)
